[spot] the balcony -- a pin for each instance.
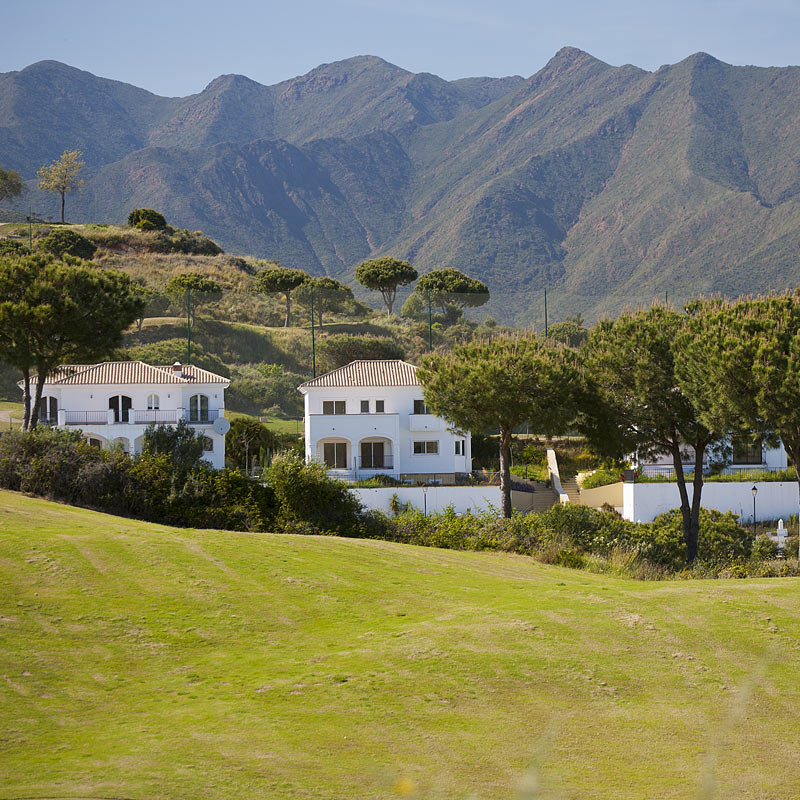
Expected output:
(385, 464)
(426, 422)
(156, 416)
(137, 416)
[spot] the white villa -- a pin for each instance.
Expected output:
(369, 417)
(113, 402)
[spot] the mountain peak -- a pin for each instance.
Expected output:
(567, 58)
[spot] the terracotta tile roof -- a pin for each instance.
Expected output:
(127, 372)
(368, 373)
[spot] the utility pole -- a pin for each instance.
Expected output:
(313, 339)
(30, 229)
(188, 326)
(430, 323)
(545, 313)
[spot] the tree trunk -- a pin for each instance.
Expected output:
(388, 298)
(62, 206)
(41, 376)
(686, 512)
(26, 399)
(697, 494)
(793, 451)
(505, 469)
(288, 309)
(319, 317)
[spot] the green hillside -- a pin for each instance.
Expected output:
(143, 661)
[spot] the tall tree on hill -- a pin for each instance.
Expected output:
(502, 384)
(54, 312)
(280, 280)
(451, 288)
(739, 362)
(11, 185)
(62, 176)
(638, 406)
(327, 295)
(193, 290)
(385, 275)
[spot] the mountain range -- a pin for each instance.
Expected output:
(608, 186)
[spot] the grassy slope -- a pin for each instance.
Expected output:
(144, 661)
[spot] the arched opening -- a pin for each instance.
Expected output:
(375, 453)
(96, 441)
(122, 443)
(334, 453)
(153, 402)
(198, 408)
(120, 404)
(48, 410)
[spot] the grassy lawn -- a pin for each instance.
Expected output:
(142, 661)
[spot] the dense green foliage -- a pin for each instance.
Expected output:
(385, 275)
(249, 443)
(11, 185)
(146, 219)
(54, 313)
(634, 404)
(451, 287)
(280, 280)
(154, 486)
(64, 241)
(502, 383)
(192, 290)
(326, 295)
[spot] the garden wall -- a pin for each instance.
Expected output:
(643, 502)
(462, 498)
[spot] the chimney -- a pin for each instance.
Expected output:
(177, 369)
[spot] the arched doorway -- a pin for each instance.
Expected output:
(120, 404)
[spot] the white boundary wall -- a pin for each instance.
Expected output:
(462, 498)
(643, 502)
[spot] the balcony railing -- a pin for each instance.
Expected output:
(141, 416)
(365, 464)
(203, 418)
(156, 416)
(86, 417)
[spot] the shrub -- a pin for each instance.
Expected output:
(64, 241)
(10, 247)
(146, 219)
(310, 500)
(601, 477)
(336, 351)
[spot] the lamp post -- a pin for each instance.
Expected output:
(425, 500)
(754, 490)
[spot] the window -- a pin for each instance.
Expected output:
(121, 405)
(334, 407)
(459, 447)
(365, 406)
(746, 450)
(208, 444)
(198, 408)
(48, 411)
(335, 455)
(95, 442)
(153, 402)
(420, 407)
(379, 406)
(372, 455)
(426, 448)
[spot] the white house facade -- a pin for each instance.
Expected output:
(369, 417)
(113, 402)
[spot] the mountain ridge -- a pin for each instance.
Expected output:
(607, 185)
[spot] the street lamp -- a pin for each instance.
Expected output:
(425, 500)
(754, 490)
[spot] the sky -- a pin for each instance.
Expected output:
(176, 47)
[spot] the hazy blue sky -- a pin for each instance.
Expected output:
(175, 47)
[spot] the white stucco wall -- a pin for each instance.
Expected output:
(462, 498)
(396, 424)
(643, 502)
